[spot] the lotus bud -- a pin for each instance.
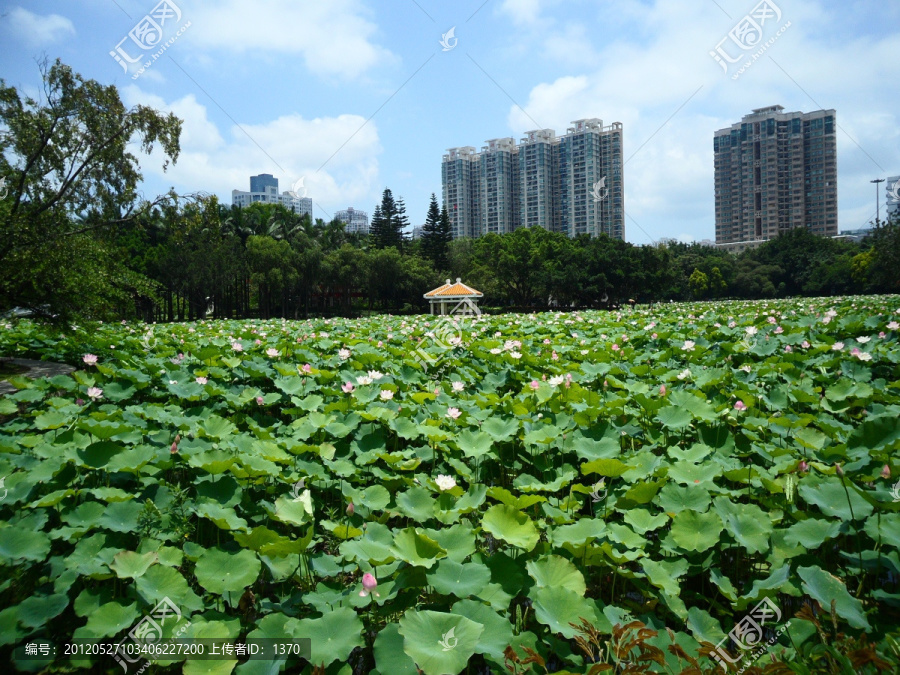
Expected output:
(350, 509)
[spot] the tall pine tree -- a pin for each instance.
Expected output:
(431, 232)
(376, 229)
(402, 222)
(442, 240)
(387, 231)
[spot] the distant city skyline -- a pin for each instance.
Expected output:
(571, 183)
(354, 96)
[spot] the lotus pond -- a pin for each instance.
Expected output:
(567, 492)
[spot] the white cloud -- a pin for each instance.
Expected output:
(332, 38)
(37, 30)
(288, 147)
(522, 11)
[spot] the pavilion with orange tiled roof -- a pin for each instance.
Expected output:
(461, 299)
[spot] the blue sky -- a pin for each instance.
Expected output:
(358, 95)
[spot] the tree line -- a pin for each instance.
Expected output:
(76, 240)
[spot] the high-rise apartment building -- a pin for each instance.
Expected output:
(264, 189)
(498, 185)
(461, 186)
(538, 178)
(356, 220)
(775, 171)
(572, 184)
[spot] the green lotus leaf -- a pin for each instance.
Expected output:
(37, 610)
(510, 525)
(389, 654)
(555, 571)
(439, 643)
(558, 607)
(695, 531)
(497, 633)
(333, 636)
(131, 565)
(747, 523)
(460, 579)
(834, 499)
(219, 571)
(415, 547)
(21, 544)
(825, 588)
(605, 467)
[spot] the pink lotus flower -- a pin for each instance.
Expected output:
(79, 401)
(259, 400)
(615, 347)
(237, 346)
(174, 448)
(90, 359)
(805, 344)
(662, 390)
(350, 509)
(437, 391)
(886, 471)
(95, 393)
(534, 384)
(307, 368)
(347, 388)
(653, 336)
(803, 467)
(272, 352)
(453, 413)
(201, 380)
(740, 405)
(369, 583)
(787, 349)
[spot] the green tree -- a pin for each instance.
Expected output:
(699, 283)
(433, 246)
(70, 174)
(388, 223)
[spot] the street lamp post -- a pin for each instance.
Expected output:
(877, 203)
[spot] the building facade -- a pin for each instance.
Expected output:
(262, 181)
(460, 179)
(357, 221)
(775, 171)
(893, 199)
(264, 189)
(572, 184)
